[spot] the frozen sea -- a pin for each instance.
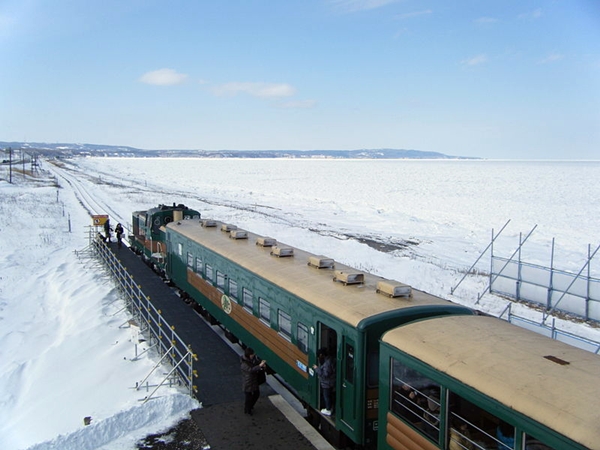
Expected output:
(447, 207)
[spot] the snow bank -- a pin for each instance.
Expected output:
(123, 429)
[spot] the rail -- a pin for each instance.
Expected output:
(161, 336)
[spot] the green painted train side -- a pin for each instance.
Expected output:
(356, 347)
(450, 386)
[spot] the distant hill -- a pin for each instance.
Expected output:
(62, 150)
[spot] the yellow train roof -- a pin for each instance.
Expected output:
(553, 383)
(350, 303)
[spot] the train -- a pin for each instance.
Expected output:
(412, 370)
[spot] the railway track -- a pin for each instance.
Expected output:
(84, 194)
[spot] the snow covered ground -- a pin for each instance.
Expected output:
(64, 354)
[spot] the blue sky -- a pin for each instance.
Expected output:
(493, 79)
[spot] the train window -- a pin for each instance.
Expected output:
(199, 266)
(233, 288)
(416, 399)
(471, 424)
(180, 249)
(247, 298)
(190, 260)
(532, 443)
(285, 324)
(221, 280)
(264, 309)
(302, 337)
(209, 273)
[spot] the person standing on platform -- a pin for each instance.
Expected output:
(252, 368)
(107, 230)
(119, 232)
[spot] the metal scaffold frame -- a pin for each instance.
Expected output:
(575, 293)
(571, 293)
(153, 326)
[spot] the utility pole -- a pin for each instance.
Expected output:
(10, 165)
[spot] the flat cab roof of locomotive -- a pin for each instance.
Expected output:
(546, 380)
(168, 211)
(351, 303)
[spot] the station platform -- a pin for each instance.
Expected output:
(274, 425)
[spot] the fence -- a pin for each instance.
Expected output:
(551, 331)
(162, 337)
(554, 290)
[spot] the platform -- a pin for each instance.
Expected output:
(219, 380)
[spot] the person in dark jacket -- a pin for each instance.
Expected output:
(251, 367)
(119, 232)
(107, 230)
(326, 374)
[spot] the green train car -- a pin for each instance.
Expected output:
(287, 303)
(148, 237)
(470, 383)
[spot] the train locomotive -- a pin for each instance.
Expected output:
(148, 237)
(403, 378)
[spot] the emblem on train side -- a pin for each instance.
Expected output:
(226, 304)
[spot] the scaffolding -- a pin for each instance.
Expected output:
(550, 289)
(554, 290)
(160, 336)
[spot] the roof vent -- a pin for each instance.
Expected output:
(320, 262)
(227, 227)
(393, 289)
(266, 242)
(208, 223)
(282, 251)
(560, 361)
(349, 277)
(238, 234)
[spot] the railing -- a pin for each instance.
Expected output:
(161, 336)
(576, 293)
(551, 331)
(552, 289)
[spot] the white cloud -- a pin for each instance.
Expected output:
(475, 60)
(532, 15)
(413, 14)
(163, 77)
(261, 90)
(552, 57)
(299, 104)
(359, 5)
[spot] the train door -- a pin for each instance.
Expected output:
(328, 340)
(348, 391)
